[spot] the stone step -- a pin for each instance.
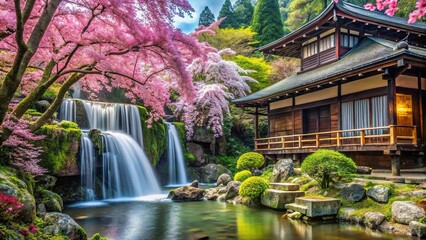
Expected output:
(277, 199)
(285, 186)
(415, 180)
(319, 206)
(297, 208)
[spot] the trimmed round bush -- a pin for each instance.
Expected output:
(253, 187)
(250, 161)
(243, 175)
(325, 164)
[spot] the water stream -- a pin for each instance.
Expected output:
(177, 171)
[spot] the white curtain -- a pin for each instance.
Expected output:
(347, 115)
(362, 113)
(379, 112)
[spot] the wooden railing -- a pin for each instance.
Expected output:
(376, 136)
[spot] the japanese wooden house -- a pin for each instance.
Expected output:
(360, 90)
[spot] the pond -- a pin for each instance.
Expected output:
(162, 219)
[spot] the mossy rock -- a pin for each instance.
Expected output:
(96, 136)
(52, 201)
(154, 137)
(60, 145)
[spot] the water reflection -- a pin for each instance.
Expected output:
(189, 220)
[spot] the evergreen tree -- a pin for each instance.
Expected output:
(267, 22)
(243, 11)
(284, 13)
(206, 17)
(227, 11)
(302, 11)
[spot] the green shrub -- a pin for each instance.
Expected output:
(228, 162)
(68, 124)
(97, 236)
(253, 187)
(267, 174)
(33, 112)
(325, 164)
(250, 161)
(242, 175)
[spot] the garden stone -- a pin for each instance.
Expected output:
(211, 172)
(223, 179)
(41, 209)
(232, 189)
(282, 170)
(28, 210)
(197, 151)
(373, 219)
(221, 198)
(58, 223)
(294, 215)
(347, 214)
(238, 200)
(8, 190)
(211, 194)
(379, 193)
(363, 170)
(46, 181)
(222, 190)
(194, 183)
(353, 193)
(418, 229)
(186, 193)
(405, 212)
(417, 193)
(257, 172)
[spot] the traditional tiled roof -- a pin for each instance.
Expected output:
(368, 52)
(355, 11)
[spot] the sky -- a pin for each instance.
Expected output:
(188, 24)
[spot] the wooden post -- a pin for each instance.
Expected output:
(339, 106)
(362, 135)
(396, 165)
(338, 139)
(420, 96)
(317, 140)
(392, 135)
(414, 135)
(300, 141)
(391, 101)
(282, 142)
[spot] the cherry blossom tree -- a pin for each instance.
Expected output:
(217, 82)
(129, 44)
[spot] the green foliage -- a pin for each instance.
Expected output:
(154, 137)
(60, 147)
(267, 174)
(267, 22)
(309, 185)
(52, 91)
(284, 13)
(180, 126)
(228, 161)
(243, 12)
(242, 175)
(423, 220)
(96, 136)
(206, 17)
(240, 40)
(283, 67)
(33, 112)
(301, 12)
(238, 130)
(253, 187)
(250, 161)
(260, 67)
(227, 11)
(324, 164)
(97, 236)
(189, 157)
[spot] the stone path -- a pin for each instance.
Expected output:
(281, 194)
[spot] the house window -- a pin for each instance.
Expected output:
(327, 43)
(310, 50)
(317, 119)
(347, 40)
(365, 113)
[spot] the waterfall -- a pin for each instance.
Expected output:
(126, 169)
(123, 167)
(67, 111)
(87, 166)
(177, 172)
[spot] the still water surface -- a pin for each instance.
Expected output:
(163, 219)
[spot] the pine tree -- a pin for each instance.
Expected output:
(243, 11)
(206, 17)
(267, 22)
(227, 11)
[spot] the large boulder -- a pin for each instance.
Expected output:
(418, 229)
(353, 193)
(197, 151)
(58, 223)
(52, 201)
(379, 193)
(363, 170)
(373, 219)
(203, 135)
(42, 106)
(211, 172)
(405, 212)
(186, 193)
(212, 193)
(223, 179)
(283, 169)
(232, 189)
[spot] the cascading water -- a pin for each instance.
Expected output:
(177, 172)
(124, 168)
